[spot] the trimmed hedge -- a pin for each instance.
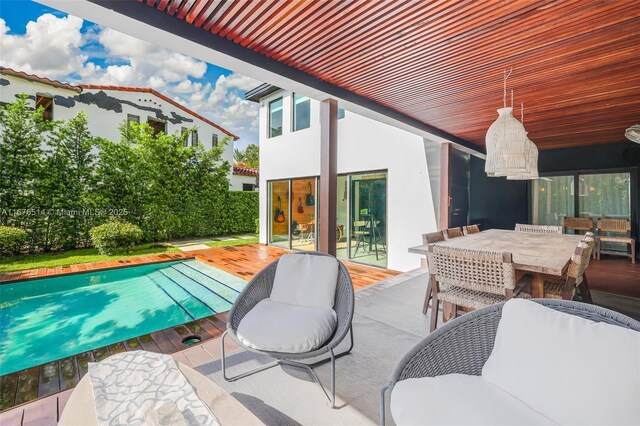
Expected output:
(12, 240)
(238, 214)
(112, 237)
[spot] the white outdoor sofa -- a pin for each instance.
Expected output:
(522, 362)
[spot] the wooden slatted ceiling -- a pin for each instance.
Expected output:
(576, 62)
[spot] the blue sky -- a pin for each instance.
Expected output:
(49, 43)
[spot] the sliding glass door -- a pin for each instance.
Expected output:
(293, 213)
(303, 214)
(606, 195)
(553, 200)
(279, 213)
(362, 218)
(594, 195)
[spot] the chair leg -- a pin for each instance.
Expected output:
(243, 375)
(633, 252)
(434, 311)
(383, 391)
(428, 295)
(585, 294)
(599, 245)
(309, 367)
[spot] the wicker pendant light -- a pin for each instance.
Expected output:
(532, 172)
(506, 143)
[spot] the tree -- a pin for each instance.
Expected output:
(23, 131)
(238, 156)
(66, 185)
(252, 156)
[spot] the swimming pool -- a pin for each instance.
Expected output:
(52, 318)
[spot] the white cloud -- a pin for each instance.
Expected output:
(50, 46)
(146, 64)
(58, 48)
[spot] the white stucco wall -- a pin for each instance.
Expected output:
(105, 122)
(363, 145)
(238, 180)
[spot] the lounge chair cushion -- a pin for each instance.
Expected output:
(280, 327)
(306, 280)
(573, 370)
(458, 399)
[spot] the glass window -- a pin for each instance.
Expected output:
(340, 113)
(301, 112)
(158, 126)
(184, 130)
(133, 118)
(303, 214)
(279, 213)
(46, 103)
(293, 213)
(275, 118)
(606, 195)
(361, 233)
(553, 200)
(214, 140)
(194, 139)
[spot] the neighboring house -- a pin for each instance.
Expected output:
(244, 179)
(107, 107)
(385, 198)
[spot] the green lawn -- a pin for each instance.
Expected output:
(46, 260)
(236, 242)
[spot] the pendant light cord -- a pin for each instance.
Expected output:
(507, 74)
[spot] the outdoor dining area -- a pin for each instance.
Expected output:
(469, 269)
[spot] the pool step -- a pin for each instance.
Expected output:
(218, 275)
(192, 307)
(227, 292)
(196, 290)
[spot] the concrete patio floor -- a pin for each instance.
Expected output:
(388, 321)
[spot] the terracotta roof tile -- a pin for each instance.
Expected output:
(43, 80)
(245, 171)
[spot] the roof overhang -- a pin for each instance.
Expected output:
(146, 23)
(260, 92)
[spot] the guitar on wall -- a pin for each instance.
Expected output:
(278, 214)
(300, 208)
(310, 201)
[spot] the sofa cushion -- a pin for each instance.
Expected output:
(458, 399)
(279, 327)
(572, 370)
(306, 280)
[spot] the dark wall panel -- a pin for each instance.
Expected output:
(497, 202)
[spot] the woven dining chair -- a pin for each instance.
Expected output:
(473, 278)
(577, 224)
(430, 238)
(470, 229)
(616, 226)
(539, 229)
(453, 233)
(574, 282)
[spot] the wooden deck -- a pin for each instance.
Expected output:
(614, 275)
(50, 383)
(243, 261)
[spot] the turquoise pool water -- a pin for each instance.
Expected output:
(52, 318)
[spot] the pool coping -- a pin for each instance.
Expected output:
(81, 268)
(39, 381)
